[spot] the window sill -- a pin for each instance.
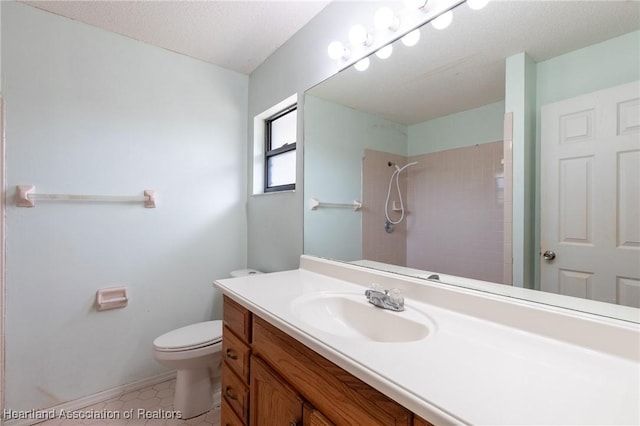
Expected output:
(260, 194)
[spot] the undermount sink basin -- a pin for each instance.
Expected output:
(350, 315)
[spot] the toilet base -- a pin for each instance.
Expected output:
(193, 394)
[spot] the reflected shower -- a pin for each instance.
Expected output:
(390, 224)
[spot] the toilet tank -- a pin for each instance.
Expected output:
(244, 272)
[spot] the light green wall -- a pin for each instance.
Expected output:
(610, 63)
(335, 139)
(520, 100)
(93, 112)
(467, 128)
(600, 66)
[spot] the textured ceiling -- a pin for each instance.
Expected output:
(237, 35)
(459, 68)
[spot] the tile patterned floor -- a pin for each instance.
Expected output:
(150, 406)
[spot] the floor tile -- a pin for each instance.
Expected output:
(124, 411)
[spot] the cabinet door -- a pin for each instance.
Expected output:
(419, 421)
(313, 417)
(340, 396)
(273, 402)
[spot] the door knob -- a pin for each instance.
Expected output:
(549, 255)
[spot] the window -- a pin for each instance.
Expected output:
(280, 150)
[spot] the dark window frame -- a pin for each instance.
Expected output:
(269, 153)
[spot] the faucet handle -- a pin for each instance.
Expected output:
(396, 297)
(375, 289)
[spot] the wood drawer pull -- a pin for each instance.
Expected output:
(231, 354)
(228, 392)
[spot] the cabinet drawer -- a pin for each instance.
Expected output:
(237, 318)
(228, 417)
(236, 393)
(323, 383)
(236, 354)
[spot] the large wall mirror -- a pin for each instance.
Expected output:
(429, 141)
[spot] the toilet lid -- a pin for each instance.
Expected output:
(190, 337)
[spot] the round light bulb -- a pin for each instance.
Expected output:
(415, 4)
(362, 64)
(358, 35)
(477, 4)
(385, 19)
(443, 21)
(385, 52)
(336, 50)
(411, 39)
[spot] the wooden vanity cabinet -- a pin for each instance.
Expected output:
(236, 354)
(417, 421)
(313, 417)
(229, 417)
(338, 395)
(274, 401)
(271, 379)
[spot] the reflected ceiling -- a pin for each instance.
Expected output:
(461, 70)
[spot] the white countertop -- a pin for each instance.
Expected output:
(468, 370)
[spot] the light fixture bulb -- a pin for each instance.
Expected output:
(358, 36)
(411, 39)
(385, 52)
(415, 4)
(443, 21)
(336, 50)
(477, 4)
(386, 19)
(362, 64)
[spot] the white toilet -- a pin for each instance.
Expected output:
(194, 351)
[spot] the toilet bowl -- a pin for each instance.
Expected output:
(194, 352)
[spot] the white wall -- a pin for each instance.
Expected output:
(89, 111)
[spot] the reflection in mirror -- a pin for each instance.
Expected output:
(502, 113)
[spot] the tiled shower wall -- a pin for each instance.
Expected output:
(377, 244)
(455, 212)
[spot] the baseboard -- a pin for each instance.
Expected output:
(89, 400)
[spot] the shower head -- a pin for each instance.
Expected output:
(392, 164)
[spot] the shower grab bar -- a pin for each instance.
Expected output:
(27, 197)
(315, 204)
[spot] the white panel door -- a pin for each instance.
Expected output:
(590, 196)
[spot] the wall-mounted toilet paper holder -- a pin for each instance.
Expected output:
(111, 298)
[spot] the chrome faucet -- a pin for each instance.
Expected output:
(386, 299)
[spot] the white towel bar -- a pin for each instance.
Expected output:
(315, 204)
(27, 197)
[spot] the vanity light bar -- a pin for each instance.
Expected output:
(390, 26)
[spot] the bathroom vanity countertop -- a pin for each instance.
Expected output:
(471, 368)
